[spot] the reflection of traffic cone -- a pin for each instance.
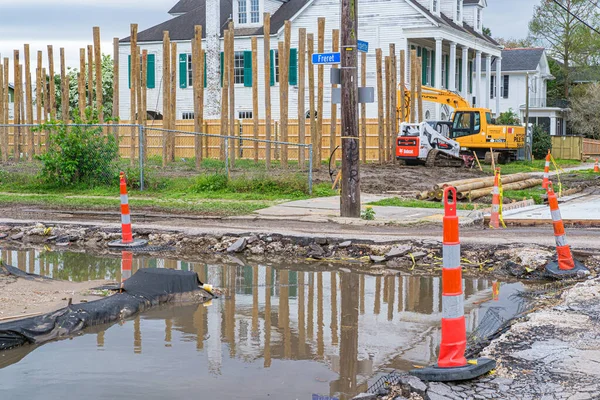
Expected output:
(495, 218)
(496, 291)
(546, 171)
(452, 365)
(565, 264)
(126, 231)
(126, 263)
(596, 169)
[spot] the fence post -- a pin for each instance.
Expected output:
(310, 168)
(141, 155)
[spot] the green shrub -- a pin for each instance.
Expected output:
(508, 118)
(368, 214)
(542, 142)
(78, 155)
(210, 183)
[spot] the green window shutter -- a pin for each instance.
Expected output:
(205, 81)
(447, 71)
(183, 71)
(425, 55)
(460, 75)
(470, 76)
(248, 68)
(272, 68)
(432, 71)
(222, 62)
(293, 70)
(129, 70)
(151, 73)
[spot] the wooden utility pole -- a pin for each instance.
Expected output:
(98, 60)
(318, 147)
(363, 109)
(380, 103)
(198, 83)
(115, 110)
(350, 193)
(335, 47)
(90, 78)
(52, 94)
(301, 94)
(81, 84)
(166, 83)
(29, 105)
(254, 46)
(267, 65)
(311, 99)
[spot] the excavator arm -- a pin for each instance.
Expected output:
(440, 96)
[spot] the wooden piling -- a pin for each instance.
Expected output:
(224, 95)
(380, 105)
(198, 84)
(3, 104)
(388, 123)
(419, 89)
(254, 47)
(5, 148)
(335, 47)
(173, 100)
(232, 119)
(81, 84)
(320, 49)
(29, 105)
(413, 85)
(301, 94)
(64, 106)
(311, 99)
(144, 102)
(115, 99)
(393, 101)
(166, 84)
(402, 115)
(46, 110)
(90, 77)
(17, 106)
(52, 94)
(267, 64)
(98, 65)
(284, 72)
(133, 68)
(363, 109)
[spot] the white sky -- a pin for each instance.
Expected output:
(68, 23)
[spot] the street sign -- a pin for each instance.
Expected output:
(326, 58)
(362, 46)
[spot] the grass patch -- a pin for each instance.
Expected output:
(398, 202)
(530, 166)
(535, 193)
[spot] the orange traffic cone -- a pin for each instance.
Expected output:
(546, 172)
(596, 169)
(126, 231)
(496, 202)
(565, 265)
(452, 364)
(496, 291)
(126, 264)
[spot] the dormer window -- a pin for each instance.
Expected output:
(248, 12)
(254, 11)
(434, 6)
(458, 11)
(479, 18)
(242, 12)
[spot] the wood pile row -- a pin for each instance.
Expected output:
(472, 189)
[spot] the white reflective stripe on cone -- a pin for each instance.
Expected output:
(555, 215)
(451, 255)
(495, 208)
(453, 306)
(125, 219)
(495, 190)
(124, 199)
(126, 274)
(547, 163)
(561, 241)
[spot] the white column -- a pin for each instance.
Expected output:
(438, 63)
(465, 73)
(498, 85)
(478, 78)
(452, 72)
(488, 79)
(553, 126)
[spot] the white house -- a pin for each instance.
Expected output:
(448, 34)
(515, 66)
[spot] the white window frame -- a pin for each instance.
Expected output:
(242, 15)
(245, 114)
(248, 13)
(238, 78)
(478, 18)
(257, 12)
(188, 68)
(187, 115)
(276, 65)
(435, 6)
(458, 11)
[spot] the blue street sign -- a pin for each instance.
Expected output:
(326, 58)
(362, 46)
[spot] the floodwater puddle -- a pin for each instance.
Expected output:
(279, 331)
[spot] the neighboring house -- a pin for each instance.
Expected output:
(516, 64)
(447, 34)
(11, 100)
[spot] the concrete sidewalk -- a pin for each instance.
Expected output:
(327, 209)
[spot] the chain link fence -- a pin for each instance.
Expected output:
(93, 154)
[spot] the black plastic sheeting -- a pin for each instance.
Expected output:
(145, 289)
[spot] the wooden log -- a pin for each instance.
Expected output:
(90, 73)
(173, 101)
(267, 66)
(476, 194)
(394, 101)
(232, 119)
(30, 144)
(423, 195)
(380, 106)
(198, 84)
(98, 61)
(115, 99)
(284, 84)
(335, 47)
(81, 84)
(489, 180)
(52, 94)
(166, 83)
(413, 86)
(255, 119)
(363, 110)
(320, 49)
(311, 99)
(301, 95)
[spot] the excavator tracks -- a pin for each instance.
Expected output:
(436, 158)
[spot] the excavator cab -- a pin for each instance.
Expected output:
(465, 123)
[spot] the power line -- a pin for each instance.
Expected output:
(575, 16)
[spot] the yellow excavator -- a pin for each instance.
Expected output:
(453, 143)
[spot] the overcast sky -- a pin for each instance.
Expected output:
(68, 23)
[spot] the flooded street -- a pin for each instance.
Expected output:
(279, 331)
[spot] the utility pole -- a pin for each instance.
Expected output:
(350, 195)
(528, 137)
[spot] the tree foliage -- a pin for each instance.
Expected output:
(565, 38)
(585, 111)
(508, 118)
(514, 43)
(542, 142)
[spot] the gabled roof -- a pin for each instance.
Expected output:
(514, 60)
(182, 27)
